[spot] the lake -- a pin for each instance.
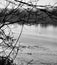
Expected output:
(40, 43)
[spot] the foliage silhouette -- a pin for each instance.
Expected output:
(30, 17)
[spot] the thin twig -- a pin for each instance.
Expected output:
(17, 40)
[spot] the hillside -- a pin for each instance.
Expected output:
(28, 16)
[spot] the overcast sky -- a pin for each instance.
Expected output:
(40, 2)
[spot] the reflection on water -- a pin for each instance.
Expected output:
(48, 31)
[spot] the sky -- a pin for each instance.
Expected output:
(40, 2)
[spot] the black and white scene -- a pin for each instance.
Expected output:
(28, 32)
